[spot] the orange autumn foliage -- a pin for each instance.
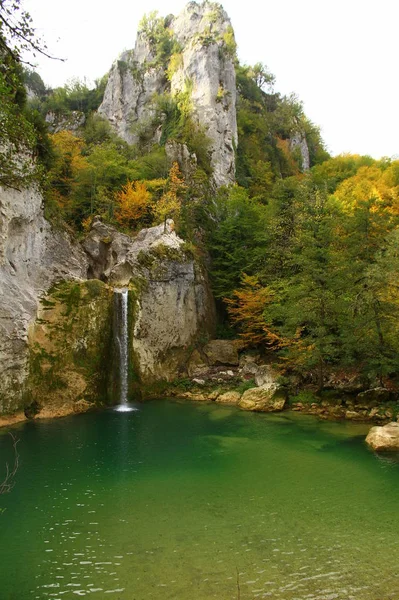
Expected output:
(246, 309)
(133, 202)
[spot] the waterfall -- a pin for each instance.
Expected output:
(122, 343)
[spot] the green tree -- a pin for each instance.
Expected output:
(236, 239)
(307, 313)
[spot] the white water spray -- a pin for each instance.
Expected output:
(122, 344)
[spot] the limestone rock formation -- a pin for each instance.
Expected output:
(221, 352)
(32, 258)
(53, 341)
(384, 438)
(262, 399)
(229, 398)
(71, 348)
(71, 122)
(298, 141)
(172, 299)
(202, 71)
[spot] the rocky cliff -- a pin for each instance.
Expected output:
(171, 304)
(56, 314)
(32, 258)
(198, 68)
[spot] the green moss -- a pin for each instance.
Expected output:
(145, 259)
(122, 66)
(175, 63)
(94, 287)
(163, 253)
(245, 385)
(77, 339)
(306, 397)
(229, 42)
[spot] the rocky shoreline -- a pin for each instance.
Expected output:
(217, 373)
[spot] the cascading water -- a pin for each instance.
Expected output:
(122, 344)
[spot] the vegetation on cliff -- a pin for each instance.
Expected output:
(303, 248)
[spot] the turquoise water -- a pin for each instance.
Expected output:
(195, 502)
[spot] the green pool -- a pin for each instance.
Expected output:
(194, 502)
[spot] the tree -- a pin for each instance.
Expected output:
(246, 309)
(310, 295)
(262, 76)
(236, 238)
(169, 206)
(17, 35)
(20, 135)
(132, 203)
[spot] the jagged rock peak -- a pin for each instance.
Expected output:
(188, 59)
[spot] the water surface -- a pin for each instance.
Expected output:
(195, 502)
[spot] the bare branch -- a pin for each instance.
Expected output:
(9, 480)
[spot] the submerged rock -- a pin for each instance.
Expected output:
(384, 438)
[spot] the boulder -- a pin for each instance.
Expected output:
(248, 369)
(262, 399)
(384, 438)
(375, 395)
(266, 377)
(196, 365)
(221, 352)
(229, 398)
(352, 414)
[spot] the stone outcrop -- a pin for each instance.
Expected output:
(55, 326)
(72, 121)
(71, 348)
(262, 399)
(172, 302)
(374, 396)
(384, 438)
(32, 257)
(229, 398)
(221, 352)
(203, 71)
(298, 142)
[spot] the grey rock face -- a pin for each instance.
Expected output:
(174, 305)
(32, 258)
(128, 101)
(180, 153)
(298, 140)
(205, 69)
(173, 301)
(221, 352)
(72, 122)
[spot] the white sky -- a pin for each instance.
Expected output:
(340, 57)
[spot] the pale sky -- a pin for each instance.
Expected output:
(340, 57)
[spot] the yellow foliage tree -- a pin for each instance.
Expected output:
(246, 309)
(373, 185)
(169, 205)
(133, 202)
(69, 165)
